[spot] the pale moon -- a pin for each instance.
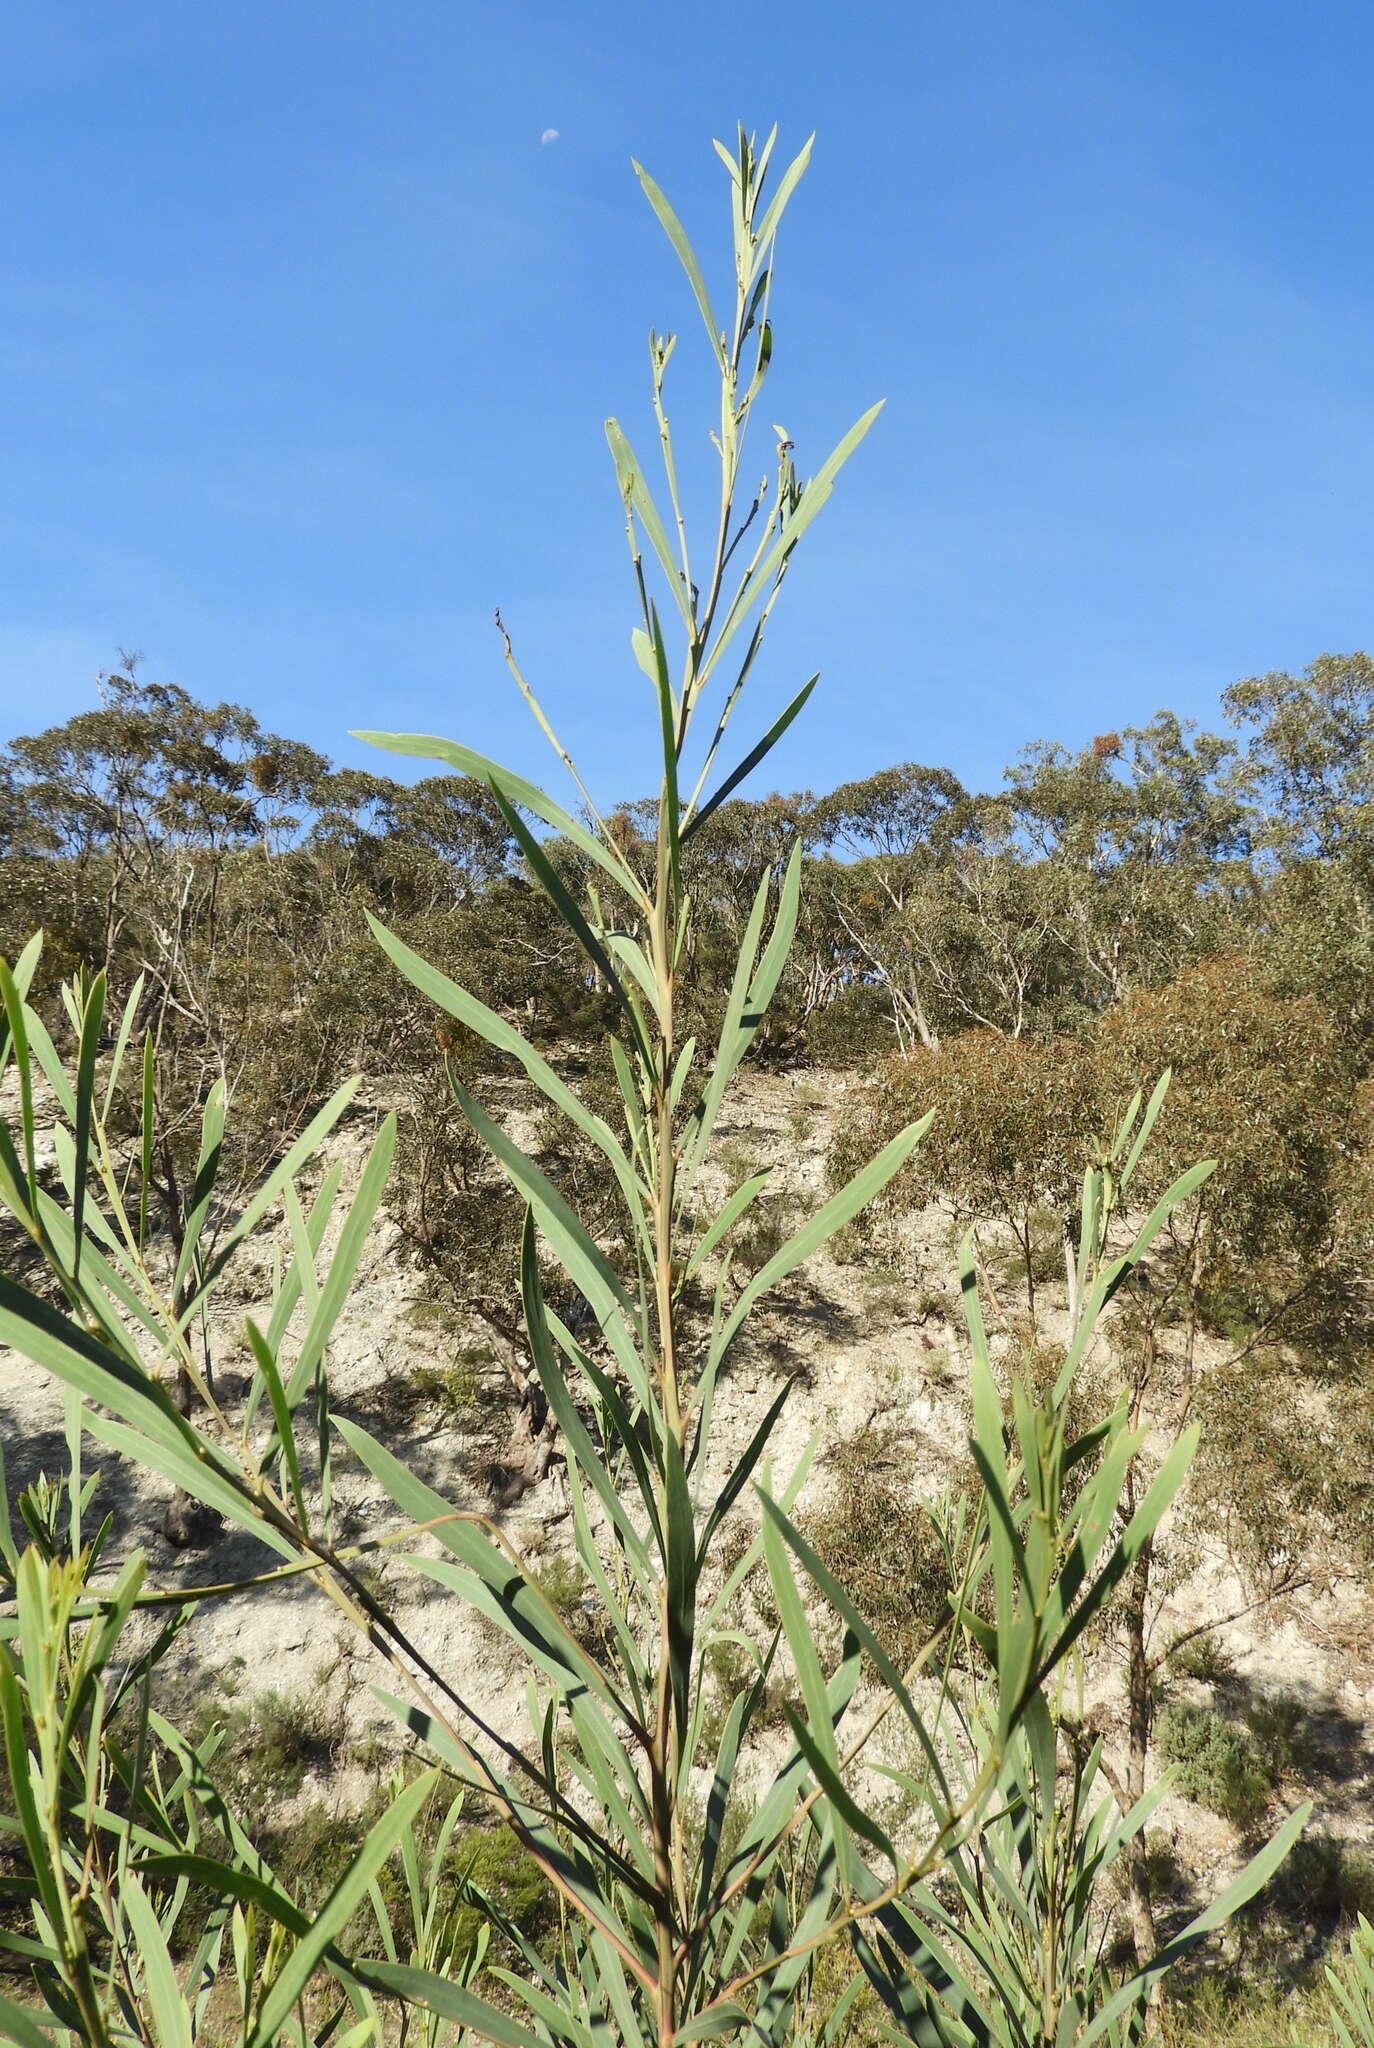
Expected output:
(549, 135)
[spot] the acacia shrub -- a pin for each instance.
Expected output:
(1013, 1120)
(1260, 1085)
(1279, 1474)
(460, 1225)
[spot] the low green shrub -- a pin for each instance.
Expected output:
(1204, 1658)
(1216, 2011)
(1230, 1311)
(272, 1743)
(492, 1859)
(762, 1235)
(569, 1590)
(873, 1534)
(734, 1671)
(449, 1392)
(1220, 1764)
(1278, 1723)
(1325, 1882)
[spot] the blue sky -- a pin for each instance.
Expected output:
(307, 342)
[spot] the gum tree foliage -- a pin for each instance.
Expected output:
(929, 910)
(228, 870)
(145, 797)
(695, 1903)
(741, 842)
(1312, 938)
(1142, 844)
(1309, 760)
(958, 941)
(894, 833)
(228, 873)
(1092, 873)
(1307, 776)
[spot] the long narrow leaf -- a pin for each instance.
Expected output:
(451, 2001)
(686, 256)
(170, 2017)
(21, 2026)
(515, 790)
(575, 1436)
(816, 492)
(505, 1038)
(1256, 1873)
(344, 1265)
(325, 1926)
(757, 753)
(286, 1169)
(638, 497)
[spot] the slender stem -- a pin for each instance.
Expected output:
(665, 1748)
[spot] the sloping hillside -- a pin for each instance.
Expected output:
(872, 1345)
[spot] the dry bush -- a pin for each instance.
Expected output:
(1014, 1125)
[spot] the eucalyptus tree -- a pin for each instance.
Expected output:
(989, 934)
(1144, 842)
(1309, 759)
(1306, 775)
(896, 832)
(143, 798)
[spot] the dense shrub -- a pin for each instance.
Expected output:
(1273, 1472)
(1220, 1764)
(1260, 1085)
(271, 1743)
(1013, 1127)
(850, 1031)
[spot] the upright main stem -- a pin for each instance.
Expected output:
(667, 1737)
